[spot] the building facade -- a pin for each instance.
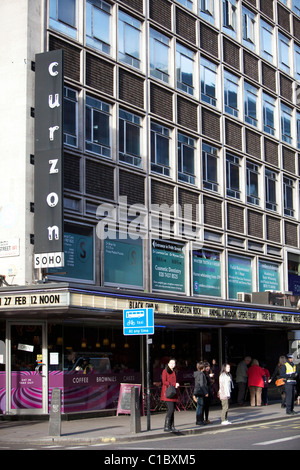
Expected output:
(181, 191)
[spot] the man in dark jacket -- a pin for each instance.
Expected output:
(289, 374)
(200, 391)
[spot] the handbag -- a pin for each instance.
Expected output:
(279, 382)
(170, 392)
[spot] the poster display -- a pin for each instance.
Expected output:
(123, 262)
(268, 276)
(206, 273)
(239, 275)
(168, 266)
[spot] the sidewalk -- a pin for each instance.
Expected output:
(114, 429)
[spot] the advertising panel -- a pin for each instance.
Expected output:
(206, 273)
(168, 264)
(239, 275)
(268, 276)
(123, 262)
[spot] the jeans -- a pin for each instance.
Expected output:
(225, 405)
(199, 410)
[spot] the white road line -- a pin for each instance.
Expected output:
(266, 443)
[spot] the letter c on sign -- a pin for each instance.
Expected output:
(50, 68)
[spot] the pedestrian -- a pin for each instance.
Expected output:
(226, 385)
(169, 378)
(289, 374)
(267, 380)
(255, 382)
(276, 375)
(216, 371)
(200, 391)
(207, 399)
(242, 379)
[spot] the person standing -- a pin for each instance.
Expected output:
(255, 382)
(200, 391)
(242, 379)
(289, 374)
(276, 375)
(226, 385)
(207, 399)
(169, 378)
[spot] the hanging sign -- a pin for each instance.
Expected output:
(48, 160)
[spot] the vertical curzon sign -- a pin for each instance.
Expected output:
(48, 160)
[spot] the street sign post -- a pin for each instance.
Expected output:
(140, 321)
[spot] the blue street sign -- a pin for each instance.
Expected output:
(138, 321)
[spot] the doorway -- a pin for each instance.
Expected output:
(26, 372)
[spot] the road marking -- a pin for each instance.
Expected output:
(275, 441)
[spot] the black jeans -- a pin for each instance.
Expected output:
(289, 396)
(170, 410)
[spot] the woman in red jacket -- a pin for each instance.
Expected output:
(169, 378)
(255, 382)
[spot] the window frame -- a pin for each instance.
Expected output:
(268, 103)
(210, 159)
(187, 143)
(69, 137)
(60, 24)
(211, 67)
(93, 106)
(233, 163)
(249, 92)
(128, 122)
(234, 81)
(271, 179)
(252, 171)
(157, 38)
(159, 131)
(184, 54)
(125, 22)
(103, 8)
(288, 196)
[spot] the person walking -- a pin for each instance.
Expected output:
(255, 382)
(169, 378)
(289, 374)
(200, 391)
(276, 375)
(242, 379)
(226, 385)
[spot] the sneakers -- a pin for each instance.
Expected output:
(224, 423)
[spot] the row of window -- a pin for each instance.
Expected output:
(98, 140)
(257, 35)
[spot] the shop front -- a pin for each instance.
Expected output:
(67, 337)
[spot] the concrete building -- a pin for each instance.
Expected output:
(180, 189)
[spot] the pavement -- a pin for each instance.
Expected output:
(121, 429)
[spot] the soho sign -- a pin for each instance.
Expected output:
(48, 203)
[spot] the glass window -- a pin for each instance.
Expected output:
(233, 176)
(252, 172)
(268, 114)
(298, 132)
(62, 16)
(186, 159)
(160, 149)
(208, 81)
(129, 138)
(184, 69)
(296, 7)
(250, 100)
(207, 10)
(210, 167)
(288, 190)
(97, 127)
(159, 55)
(70, 116)
(297, 62)
(187, 3)
(286, 119)
(248, 28)
(129, 40)
(229, 17)
(98, 25)
(284, 53)
(267, 41)
(231, 94)
(270, 189)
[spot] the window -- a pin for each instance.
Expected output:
(129, 40)
(160, 149)
(298, 132)
(233, 176)
(267, 41)
(229, 17)
(187, 3)
(268, 114)
(284, 53)
(210, 167)
(159, 55)
(296, 7)
(97, 127)
(250, 99)
(297, 62)
(184, 69)
(288, 190)
(231, 94)
(252, 172)
(98, 25)
(270, 190)
(248, 29)
(62, 16)
(286, 118)
(208, 81)
(207, 10)
(129, 138)
(186, 159)
(70, 116)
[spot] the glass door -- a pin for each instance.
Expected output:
(27, 368)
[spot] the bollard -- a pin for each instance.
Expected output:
(55, 413)
(135, 417)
